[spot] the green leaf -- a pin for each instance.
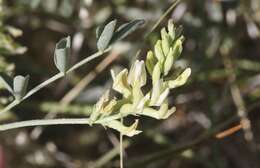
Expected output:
(62, 54)
(106, 35)
(126, 29)
(20, 86)
(6, 81)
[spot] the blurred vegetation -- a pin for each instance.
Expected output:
(222, 40)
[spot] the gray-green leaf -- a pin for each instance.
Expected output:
(20, 84)
(126, 29)
(99, 30)
(62, 53)
(106, 35)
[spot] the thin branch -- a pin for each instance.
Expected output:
(59, 121)
(72, 94)
(238, 100)
(121, 148)
(30, 123)
(54, 78)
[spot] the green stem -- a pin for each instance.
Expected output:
(54, 78)
(42, 85)
(60, 121)
(30, 123)
(121, 148)
(10, 106)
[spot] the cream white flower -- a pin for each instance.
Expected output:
(137, 75)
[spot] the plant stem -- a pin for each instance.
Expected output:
(29, 123)
(59, 121)
(121, 148)
(10, 106)
(54, 78)
(42, 85)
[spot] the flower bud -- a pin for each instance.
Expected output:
(165, 41)
(177, 48)
(171, 30)
(168, 62)
(156, 73)
(150, 62)
(159, 52)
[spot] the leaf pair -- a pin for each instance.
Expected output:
(18, 87)
(108, 34)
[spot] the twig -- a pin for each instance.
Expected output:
(121, 148)
(238, 99)
(229, 131)
(59, 121)
(54, 78)
(30, 123)
(73, 93)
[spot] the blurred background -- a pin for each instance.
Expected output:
(222, 47)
